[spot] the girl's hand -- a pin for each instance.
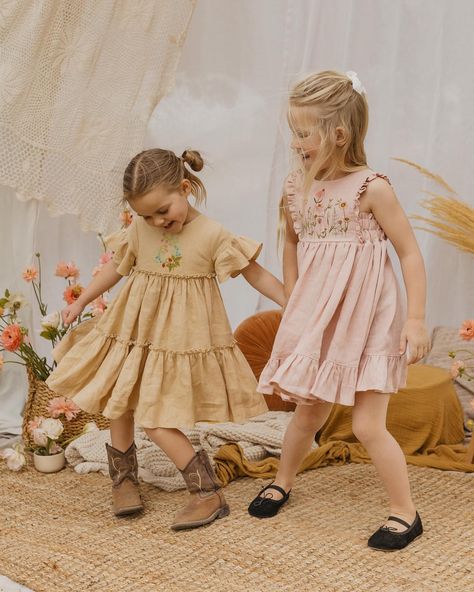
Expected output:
(416, 335)
(71, 312)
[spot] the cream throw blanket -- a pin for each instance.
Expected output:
(258, 438)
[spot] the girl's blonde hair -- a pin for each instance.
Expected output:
(330, 101)
(154, 167)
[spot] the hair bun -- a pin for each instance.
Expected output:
(193, 159)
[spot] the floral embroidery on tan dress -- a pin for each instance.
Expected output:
(169, 254)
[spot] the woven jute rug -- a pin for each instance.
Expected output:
(58, 534)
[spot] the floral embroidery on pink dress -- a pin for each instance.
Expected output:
(341, 328)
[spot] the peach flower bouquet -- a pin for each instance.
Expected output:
(464, 366)
(14, 335)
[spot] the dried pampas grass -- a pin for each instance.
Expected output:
(450, 218)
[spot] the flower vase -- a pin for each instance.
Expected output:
(50, 463)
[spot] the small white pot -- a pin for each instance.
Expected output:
(49, 464)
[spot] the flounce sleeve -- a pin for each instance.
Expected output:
(123, 245)
(234, 253)
(290, 188)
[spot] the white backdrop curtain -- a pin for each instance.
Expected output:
(412, 56)
(78, 83)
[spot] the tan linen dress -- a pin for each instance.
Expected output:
(164, 348)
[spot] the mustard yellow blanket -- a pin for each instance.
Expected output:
(425, 418)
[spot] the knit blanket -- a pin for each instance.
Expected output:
(257, 439)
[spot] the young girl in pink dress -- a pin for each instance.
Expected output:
(344, 334)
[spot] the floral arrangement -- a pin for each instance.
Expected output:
(46, 433)
(465, 366)
(14, 336)
(459, 367)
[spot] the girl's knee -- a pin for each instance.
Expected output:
(365, 431)
(310, 418)
(157, 432)
(125, 418)
(150, 431)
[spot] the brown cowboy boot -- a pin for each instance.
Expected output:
(123, 470)
(207, 500)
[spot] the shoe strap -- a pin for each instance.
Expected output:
(277, 488)
(399, 520)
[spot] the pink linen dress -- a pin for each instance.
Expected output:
(340, 332)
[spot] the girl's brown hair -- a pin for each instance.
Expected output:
(154, 167)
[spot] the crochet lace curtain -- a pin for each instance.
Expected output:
(78, 83)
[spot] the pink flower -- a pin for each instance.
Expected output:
(126, 217)
(30, 274)
(457, 368)
(35, 423)
(467, 330)
(12, 337)
(98, 306)
(54, 448)
(68, 271)
(61, 406)
(72, 293)
(105, 258)
(99, 303)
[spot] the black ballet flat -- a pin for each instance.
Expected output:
(387, 538)
(266, 506)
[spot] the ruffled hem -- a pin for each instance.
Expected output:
(164, 389)
(303, 380)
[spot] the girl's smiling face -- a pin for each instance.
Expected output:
(165, 208)
(306, 139)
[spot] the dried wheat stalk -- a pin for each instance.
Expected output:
(451, 219)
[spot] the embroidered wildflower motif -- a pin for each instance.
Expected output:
(325, 216)
(169, 255)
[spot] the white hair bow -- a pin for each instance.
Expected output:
(356, 83)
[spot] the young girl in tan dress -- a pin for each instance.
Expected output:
(344, 334)
(163, 355)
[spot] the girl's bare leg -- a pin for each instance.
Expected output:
(174, 444)
(369, 427)
(299, 436)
